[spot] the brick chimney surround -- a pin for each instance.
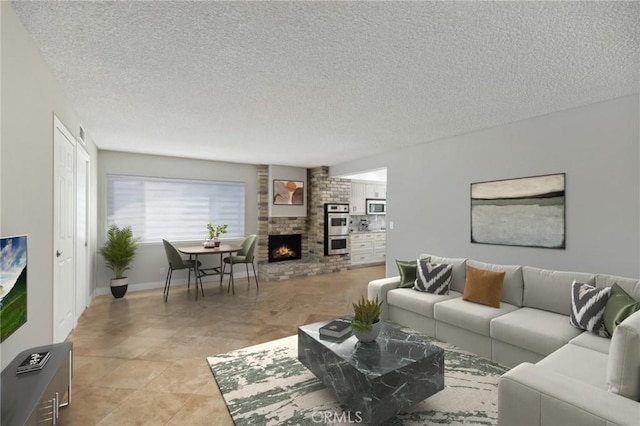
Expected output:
(321, 189)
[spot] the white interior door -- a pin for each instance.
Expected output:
(63, 232)
(82, 231)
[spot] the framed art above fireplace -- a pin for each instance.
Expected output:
(289, 192)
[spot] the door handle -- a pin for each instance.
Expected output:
(58, 253)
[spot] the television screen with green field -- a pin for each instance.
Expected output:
(13, 284)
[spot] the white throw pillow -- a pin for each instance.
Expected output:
(623, 365)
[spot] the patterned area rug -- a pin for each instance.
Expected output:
(266, 385)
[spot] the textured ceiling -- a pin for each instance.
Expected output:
(320, 83)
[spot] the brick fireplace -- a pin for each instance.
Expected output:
(285, 247)
(321, 189)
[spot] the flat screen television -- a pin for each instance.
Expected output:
(13, 284)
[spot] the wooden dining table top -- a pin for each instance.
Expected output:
(222, 248)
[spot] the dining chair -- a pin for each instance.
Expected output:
(176, 262)
(245, 255)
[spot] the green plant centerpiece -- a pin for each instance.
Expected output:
(118, 252)
(216, 231)
(366, 320)
(214, 234)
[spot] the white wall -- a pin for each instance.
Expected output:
(30, 98)
(597, 146)
(149, 267)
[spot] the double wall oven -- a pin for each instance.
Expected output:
(336, 229)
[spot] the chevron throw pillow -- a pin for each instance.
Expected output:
(587, 307)
(433, 277)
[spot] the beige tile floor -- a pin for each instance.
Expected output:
(141, 361)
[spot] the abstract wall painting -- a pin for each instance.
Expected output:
(288, 192)
(527, 212)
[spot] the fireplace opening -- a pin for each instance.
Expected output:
(285, 247)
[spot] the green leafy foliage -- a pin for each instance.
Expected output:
(216, 231)
(366, 313)
(13, 308)
(119, 250)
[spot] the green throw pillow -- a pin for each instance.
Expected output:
(407, 270)
(619, 306)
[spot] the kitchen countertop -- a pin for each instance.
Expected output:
(369, 231)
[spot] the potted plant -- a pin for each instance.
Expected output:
(118, 253)
(214, 234)
(366, 320)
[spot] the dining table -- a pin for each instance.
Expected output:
(196, 251)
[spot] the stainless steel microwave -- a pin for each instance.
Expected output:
(376, 206)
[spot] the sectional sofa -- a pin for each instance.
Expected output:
(560, 375)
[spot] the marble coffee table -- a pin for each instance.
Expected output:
(378, 379)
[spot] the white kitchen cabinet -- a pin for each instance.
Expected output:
(379, 246)
(375, 190)
(368, 247)
(358, 205)
(360, 191)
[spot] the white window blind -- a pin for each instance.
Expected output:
(174, 209)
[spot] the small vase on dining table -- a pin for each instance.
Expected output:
(212, 243)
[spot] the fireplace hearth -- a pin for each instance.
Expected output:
(285, 247)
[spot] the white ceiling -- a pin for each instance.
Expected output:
(320, 83)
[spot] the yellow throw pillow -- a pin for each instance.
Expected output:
(484, 287)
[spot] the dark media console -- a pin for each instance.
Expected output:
(35, 397)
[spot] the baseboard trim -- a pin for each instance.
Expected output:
(101, 291)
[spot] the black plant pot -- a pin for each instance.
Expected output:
(119, 291)
(119, 287)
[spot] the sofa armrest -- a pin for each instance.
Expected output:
(532, 395)
(380, 288)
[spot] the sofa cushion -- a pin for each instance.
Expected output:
(619, 306)
(536, 330)
(630, 285)
(433, 278)
(587, 307)
(459, 272)
(418, 302)
(580, 363)
(469, 316)
(484, 287)
(407, 270)
(592, 341)
(551, 290)
(623, 368)
(533, 395)
(513, 286)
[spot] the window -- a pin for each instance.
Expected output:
(174, 209)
